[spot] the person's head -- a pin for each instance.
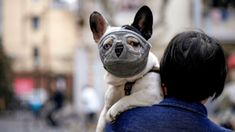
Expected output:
(193, 67)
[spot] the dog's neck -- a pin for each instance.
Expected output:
(116, 81)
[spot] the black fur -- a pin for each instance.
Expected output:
(143, 22)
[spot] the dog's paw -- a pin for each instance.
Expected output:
(111, 115)
(99, 129)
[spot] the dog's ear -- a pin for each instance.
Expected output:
(143, 21)
(98, 25)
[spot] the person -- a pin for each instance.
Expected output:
(90, 106)
(192, 70)
(37, 99)
(57, 100)
(224, 106)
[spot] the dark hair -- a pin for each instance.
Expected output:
(193, 67)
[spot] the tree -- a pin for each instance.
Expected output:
(5, 79)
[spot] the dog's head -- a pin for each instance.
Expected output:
(123, 50)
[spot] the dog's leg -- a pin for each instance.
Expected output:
(147, 94)
(112, 95)
(101, 122)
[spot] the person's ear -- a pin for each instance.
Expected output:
(143, 21)
(98, 25)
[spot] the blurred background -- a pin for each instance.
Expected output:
(51, 78)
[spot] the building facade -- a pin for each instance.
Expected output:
(0, 18)
(44, 41)
(40, 36)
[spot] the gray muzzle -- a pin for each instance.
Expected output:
(119, 57)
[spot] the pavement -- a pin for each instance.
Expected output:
(24, 121)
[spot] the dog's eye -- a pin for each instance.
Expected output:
(108, 43)
(107, 46)
(133, 41)
(134, 44)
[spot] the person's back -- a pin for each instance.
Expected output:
(171, 115)
(192, 69)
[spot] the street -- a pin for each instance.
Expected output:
(24, 121)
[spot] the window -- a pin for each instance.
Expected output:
(59, 4)
(35, 1)
(35, 22)
(36, 56)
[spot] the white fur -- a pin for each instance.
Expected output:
(145, 92)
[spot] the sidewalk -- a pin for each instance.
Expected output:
(24, 121)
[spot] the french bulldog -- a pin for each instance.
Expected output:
(129, 64)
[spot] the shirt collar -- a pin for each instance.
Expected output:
(196, 107)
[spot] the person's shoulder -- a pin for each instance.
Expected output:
(146, 111)
(220, 129)
(137, 119)
(215, 127)
(162, 118)
(135, 115)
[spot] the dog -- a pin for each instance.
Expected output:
(131, 69)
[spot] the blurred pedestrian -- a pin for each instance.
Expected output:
(90, 105)
(37, 100)
(57, 100)
(225, 105)
(192, 70)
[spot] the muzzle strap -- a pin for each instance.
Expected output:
(128, 86)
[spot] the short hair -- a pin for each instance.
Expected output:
(193, 67)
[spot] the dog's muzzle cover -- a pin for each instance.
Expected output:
(120, 59)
